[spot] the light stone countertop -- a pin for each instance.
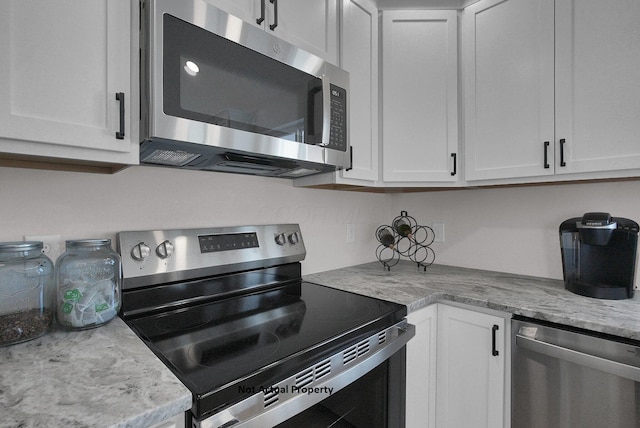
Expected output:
(107, 377)
(104, 377)
(539, 298)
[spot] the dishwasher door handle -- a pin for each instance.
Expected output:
(608, 366)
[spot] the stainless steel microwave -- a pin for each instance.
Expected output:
(220, 94)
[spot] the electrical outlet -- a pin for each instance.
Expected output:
(438, 231)
(52, 244)
(351, 233)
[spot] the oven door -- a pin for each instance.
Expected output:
(363, 386)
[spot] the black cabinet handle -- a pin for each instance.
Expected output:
(546, 154)
(494, 350)
(120, 98)
(562, 162)
(262, 7)
(275, 14)
(350, 159)
(455, 164)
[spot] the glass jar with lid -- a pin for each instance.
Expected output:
(89, 281)
(27, 290)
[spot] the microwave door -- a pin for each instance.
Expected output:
(232, 91)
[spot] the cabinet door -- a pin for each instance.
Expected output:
(420, 98)
(360, 58)
(508, 48)
(63, 63)
(421, 369)
(248, 10)
(309, 24)
(597, 85)
(471, 369)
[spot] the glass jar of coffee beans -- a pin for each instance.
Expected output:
(27, 292)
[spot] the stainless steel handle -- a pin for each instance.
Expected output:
(608, 366)
(326, 111)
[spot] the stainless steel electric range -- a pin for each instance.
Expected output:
(227, 311)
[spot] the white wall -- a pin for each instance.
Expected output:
(79, 205)
(515, 229)
(504, 229)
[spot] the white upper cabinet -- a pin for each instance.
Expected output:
(551, 88)
(63, 64)
(308, 24)
(420, 96)
(360, 58)
(597, 85)
(507, 53)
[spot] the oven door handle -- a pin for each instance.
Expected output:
(253, 413)
(570, 355)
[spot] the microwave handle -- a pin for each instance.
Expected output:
(326, 111)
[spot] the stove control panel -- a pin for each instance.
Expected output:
(152, 256)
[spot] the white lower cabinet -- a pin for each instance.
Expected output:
(458, 374)
(421, 369)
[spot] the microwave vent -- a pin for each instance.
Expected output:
(299, 172)
(170, 157)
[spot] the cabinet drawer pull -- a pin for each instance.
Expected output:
(350, 159)
(275, 14)
(455, 164)
(494, 331)
(120, 98)
(546, 154)
(562, 162)
(262, 7)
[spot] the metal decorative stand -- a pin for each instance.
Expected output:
(405, 237)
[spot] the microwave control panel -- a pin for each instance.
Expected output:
(338, 133)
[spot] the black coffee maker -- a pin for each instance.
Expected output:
(599, 255)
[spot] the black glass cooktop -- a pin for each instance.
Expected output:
(226, 350)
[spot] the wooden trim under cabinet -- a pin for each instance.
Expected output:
(52, 164)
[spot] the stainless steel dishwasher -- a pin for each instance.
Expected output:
(566, 378)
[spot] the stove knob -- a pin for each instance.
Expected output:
(294, 238)
(281, 239)
(140, 251)
(165, 250)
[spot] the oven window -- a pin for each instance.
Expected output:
(362, 404)
(208, 78)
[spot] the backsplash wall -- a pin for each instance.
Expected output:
(78, 205)
(515, 229)
(505, 229)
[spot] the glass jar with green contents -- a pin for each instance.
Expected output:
(89, 278)
(27, 288)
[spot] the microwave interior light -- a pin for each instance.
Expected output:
(191, 68)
